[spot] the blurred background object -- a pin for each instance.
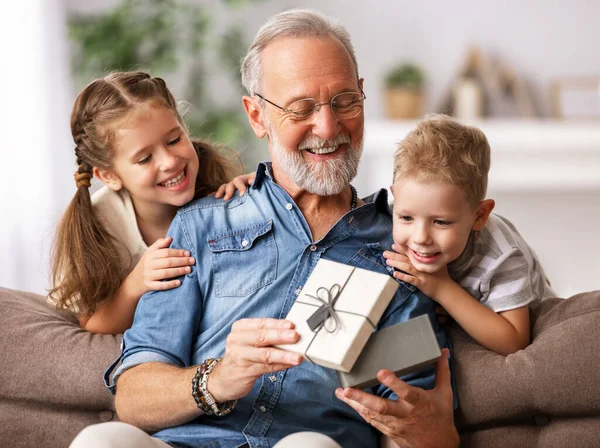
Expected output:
(175, 40)
(544, 168)
(576, 98)
(487, 88)
(404, 91)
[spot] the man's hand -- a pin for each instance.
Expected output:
(248, 355)
(419, 418)
(432, 285)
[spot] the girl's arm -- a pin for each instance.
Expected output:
(156, 270)
(116, 315)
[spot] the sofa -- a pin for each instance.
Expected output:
(547, 395)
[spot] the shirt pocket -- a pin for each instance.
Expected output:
(244, 261)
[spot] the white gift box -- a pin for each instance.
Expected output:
(359, 299)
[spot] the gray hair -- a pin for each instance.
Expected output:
(298, 23)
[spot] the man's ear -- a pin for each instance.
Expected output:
(108, 177)
(255, 117)
(483, 213)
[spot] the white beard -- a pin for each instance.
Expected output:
(325, 178)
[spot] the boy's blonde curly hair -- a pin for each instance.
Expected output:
(441, 150)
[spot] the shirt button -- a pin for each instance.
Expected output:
(273, 378)
(263, 409)
(298, 291)
(289, 206)
(244, 242)
(313, 248)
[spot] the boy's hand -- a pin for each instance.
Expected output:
(239, 183)
(430, 284)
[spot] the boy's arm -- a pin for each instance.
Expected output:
(504, 333)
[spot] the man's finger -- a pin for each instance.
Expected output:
(267, 356)
(367, 403)
(442, 375)
(263, 322)
(406, 393)
(264, 337)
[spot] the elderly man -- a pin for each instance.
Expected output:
(199, 365)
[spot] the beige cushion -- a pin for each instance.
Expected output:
(50, 373)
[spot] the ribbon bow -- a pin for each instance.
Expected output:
(324, 312)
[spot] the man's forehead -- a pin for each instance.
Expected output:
(292, 65)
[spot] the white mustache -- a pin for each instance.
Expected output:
(317, 142)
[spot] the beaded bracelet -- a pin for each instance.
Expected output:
(203, 398)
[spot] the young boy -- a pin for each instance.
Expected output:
(449, 245)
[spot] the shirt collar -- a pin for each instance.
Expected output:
(380, 200)
(264, 171)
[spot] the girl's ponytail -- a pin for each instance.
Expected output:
(85, 258)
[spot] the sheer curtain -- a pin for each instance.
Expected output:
(37, 159)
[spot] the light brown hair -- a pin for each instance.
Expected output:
(86, 266)
(440, 149)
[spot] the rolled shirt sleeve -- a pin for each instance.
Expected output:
(166, 322)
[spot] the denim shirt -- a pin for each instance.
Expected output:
(253, 255)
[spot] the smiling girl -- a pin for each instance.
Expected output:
(111, 248)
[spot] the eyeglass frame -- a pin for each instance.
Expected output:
(317, 106)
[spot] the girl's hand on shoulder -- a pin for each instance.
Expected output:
(163, 263)
(239, 183)
(430, 284)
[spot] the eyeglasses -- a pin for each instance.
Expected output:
(344, 105)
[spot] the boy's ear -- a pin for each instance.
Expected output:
(483, 213)
(108, 177)
(255, 117)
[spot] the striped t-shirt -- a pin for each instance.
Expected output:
(499, 269)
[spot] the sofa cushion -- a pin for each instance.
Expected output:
(557, 375)
(51, 373)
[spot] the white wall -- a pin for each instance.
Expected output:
(540, 39)
(37, 155)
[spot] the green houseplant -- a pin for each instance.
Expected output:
(404, 91)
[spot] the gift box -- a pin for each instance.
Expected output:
(336, 312)
(403, 348)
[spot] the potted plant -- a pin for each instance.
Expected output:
(404, 96)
